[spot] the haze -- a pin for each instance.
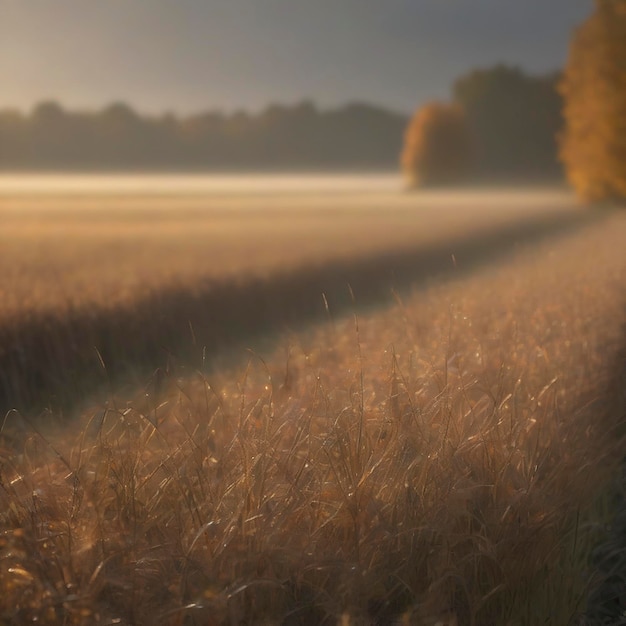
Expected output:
(191, 55)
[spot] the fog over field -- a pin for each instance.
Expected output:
(107, 239)
(185, 184)
(22, 184)
(319, 191)
(138, 233)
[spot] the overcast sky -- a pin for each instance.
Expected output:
(190, 55)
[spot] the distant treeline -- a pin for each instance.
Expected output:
(515, 118)
(280, 137)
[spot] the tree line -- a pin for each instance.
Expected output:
(503, 122)
(280, 137)
(514, 119)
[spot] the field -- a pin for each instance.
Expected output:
(137, 275)
(306, 408)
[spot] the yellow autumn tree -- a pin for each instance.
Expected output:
(437, 146)
(593, 144)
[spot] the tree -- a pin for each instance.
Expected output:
(437, 146)
(13, 138)
(515, 119)
(593, 144)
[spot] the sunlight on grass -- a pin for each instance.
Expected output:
(434, 462)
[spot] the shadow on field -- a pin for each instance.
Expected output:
(57, 361)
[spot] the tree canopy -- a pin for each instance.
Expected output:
(593, 146)
(280, 137)
(437, 146)
(515, 119)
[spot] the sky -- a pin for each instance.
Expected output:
(192, 55)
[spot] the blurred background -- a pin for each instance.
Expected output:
(242, 85)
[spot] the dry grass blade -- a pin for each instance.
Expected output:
(439, 463)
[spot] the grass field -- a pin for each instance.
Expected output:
(431, 448)
(79, 249)
(130, 273)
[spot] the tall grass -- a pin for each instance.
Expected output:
(132, 287)
(437, 462)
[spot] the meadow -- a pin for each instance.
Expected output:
(364, 408)
(132, 280)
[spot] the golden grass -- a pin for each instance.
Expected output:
(121, 277)
(434, 462)
(79, 251)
